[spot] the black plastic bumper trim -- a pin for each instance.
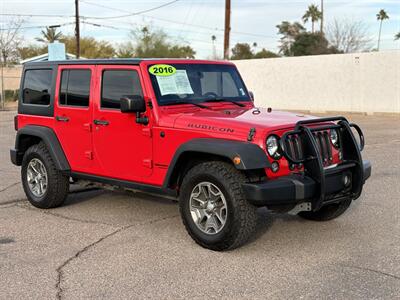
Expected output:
(294, 189)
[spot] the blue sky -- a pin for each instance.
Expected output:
(193, 22)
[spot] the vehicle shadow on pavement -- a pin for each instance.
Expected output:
(266, 220)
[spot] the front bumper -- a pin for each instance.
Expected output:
(295, 189)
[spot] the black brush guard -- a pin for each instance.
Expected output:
(314, 161)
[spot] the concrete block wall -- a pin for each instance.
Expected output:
(364, 82)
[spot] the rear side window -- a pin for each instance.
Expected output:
(75, 88)
(117, 84)
(37, 87)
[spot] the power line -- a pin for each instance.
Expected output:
(166, 20)
(34, 27)
(35, 15)
(130, 14)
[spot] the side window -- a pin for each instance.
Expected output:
(37, 87)
(117, 84)
(75, 88)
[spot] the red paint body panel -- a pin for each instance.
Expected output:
(75, 135)
(135, 152)
(122, 149)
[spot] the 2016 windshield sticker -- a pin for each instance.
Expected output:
(162, 70)
(177, 84)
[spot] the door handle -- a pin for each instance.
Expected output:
(101, 122)
(62, 119)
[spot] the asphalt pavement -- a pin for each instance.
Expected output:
(124, 245)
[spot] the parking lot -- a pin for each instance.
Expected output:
(103, 244)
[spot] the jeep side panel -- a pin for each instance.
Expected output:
(73, 106)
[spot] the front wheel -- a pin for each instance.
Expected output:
(327, 213)
(213, 208)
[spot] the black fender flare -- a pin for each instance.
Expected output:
(252, 157)
(49, 137)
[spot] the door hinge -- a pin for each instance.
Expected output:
(148, 163)
(146, 132)
(88, 127)
(89, 155)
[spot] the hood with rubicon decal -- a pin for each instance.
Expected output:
(237, 121)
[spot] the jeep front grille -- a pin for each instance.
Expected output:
(294, 146)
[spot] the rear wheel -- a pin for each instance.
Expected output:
(44, 185)
(327, 213)
(213, 208)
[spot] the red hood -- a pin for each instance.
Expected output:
(237, 120)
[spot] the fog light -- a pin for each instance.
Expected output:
(346, 180)
(275, 166)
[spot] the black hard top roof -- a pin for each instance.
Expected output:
(111, 61)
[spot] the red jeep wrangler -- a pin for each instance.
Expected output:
(187, 129)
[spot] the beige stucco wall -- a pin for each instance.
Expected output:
(366, 82)
(12, 77)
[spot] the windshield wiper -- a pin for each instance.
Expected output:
(225, 100)
(188, 102)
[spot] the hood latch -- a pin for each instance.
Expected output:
(251, 135)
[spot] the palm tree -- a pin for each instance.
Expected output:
(313, 14)
(397, 36)
(50, 35)
(381, 16)
(214, 49)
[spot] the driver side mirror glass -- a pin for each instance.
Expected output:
(133, 104)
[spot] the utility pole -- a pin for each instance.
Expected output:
(3, 100)
(77, 33)
(322, 17)
(227, 28)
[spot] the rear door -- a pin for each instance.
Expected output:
(73, 115)
(122, 147)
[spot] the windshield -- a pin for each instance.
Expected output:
(196, 83)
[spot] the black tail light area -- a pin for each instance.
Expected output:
(16, 123)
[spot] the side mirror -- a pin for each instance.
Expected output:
(133, 104)
(251, 94)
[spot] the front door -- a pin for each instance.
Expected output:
(122, 147)
(73, 115)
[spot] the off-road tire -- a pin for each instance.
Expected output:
(327, 213)
(58, 184)
(241, 217)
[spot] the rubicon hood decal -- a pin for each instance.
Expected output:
(210, 127)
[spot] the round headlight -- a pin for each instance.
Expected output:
(334, 138)
(273, 147)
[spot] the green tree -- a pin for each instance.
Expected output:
(242, 51)
(50, 35)
(264, 53)
(397, 36)
(90, 47)
(31, 51)
(313, 14)
(381, 16)
(147, 43)
(126, 50)
(312, 44)
(289, 32)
